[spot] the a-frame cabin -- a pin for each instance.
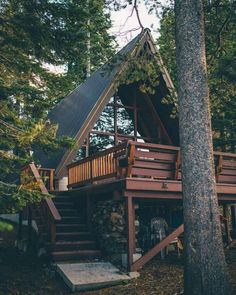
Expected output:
(127, 152)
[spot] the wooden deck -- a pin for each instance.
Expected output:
(145, 170)
(134, 172)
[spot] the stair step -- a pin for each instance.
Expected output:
(71, 219)
(64, 205)
(77, 245)
(74, 236)
(79, 254)
(68, 212)
(70, 227)
(62, 199)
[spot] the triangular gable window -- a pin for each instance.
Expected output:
(116, 124)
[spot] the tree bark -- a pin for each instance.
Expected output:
(205, 267)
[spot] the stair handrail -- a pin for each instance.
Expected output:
(54, 214)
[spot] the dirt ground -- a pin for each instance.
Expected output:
(22, 274)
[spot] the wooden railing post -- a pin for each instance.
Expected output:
(51, 180)
(91, 169)
(52, 232)
(177, 165)
(29, 242)
(130, 159)
(219, 167)
(130, 231)
(19, 235)
(89, 211)
(48, 209)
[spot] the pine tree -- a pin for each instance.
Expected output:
(43, 57)
(205, 266)
(220, 53)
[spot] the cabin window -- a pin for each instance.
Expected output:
(125, 125)
(81, 153)
(106, 121)
(118, 122)
(99, 142)
(115, 125)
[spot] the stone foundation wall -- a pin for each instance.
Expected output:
(109, 224)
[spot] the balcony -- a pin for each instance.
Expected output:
(145, 169)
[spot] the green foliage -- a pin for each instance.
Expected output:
(220, 19)
(141, 68)
(5, 226)
(44, 55)
(14, 197)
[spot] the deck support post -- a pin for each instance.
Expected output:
(227, 228)
(130, 231)
(53, 233)
(233, 218)
(89, 209)
(19, 234)
(116, 195)
(29, 226)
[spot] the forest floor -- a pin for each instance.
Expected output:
(22, 274)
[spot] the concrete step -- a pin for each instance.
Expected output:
(92, 275)
(74, 236)
(70, 227)
(78, 254)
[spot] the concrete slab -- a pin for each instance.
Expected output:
(92, 275)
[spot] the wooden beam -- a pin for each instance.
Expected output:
(89, 209)
(117, 195)
(135, 117)
(130, 231)
(51, 179)
(156, 249)
(226, 222)
(119, 135)
(130, 159)
(219, 167)
(153, 195)
(157, 118)
(19, 234)
(177, 165)
(29, 242)
(121, 106)
(233, 217)
(115, 120)
(162, 185)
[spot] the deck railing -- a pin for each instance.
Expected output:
(145, 160)
(47, 176)
(96, 167)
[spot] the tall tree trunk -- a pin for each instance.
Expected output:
(205, 267)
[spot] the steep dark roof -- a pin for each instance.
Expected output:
(73, 110)
(76, 114)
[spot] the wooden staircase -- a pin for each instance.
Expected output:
(62, 230)
(73, 239)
